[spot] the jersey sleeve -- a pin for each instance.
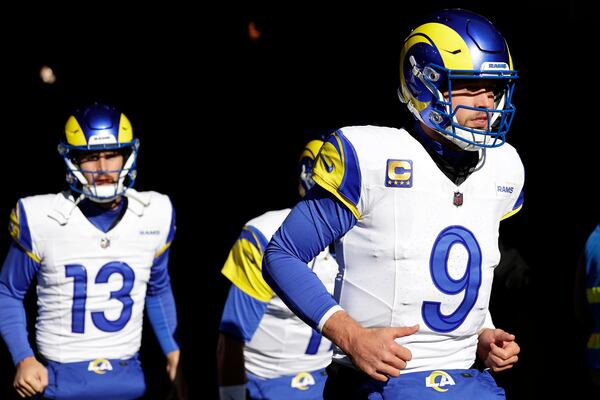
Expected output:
(241, 315)
(170, 235)
(17, 273)
(337, 170)
(244, 264)
(516, 207)
(19, 231)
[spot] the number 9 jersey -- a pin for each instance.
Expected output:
(423, 250)
(91, 284)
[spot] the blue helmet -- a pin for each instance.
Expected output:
(305, 164)
(99, 127)
(455, 45)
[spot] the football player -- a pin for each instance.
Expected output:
(261, 341)
(99, 252)
(417, 216)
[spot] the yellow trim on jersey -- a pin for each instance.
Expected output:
(328, 172)
(30, 254)
(163, 249)
(594, 341)
(74, 133)
(244, 269)
(125, 130)
(593, 295)
(513, 212)
(14, 226)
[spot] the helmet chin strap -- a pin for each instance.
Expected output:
(466, 135)
(104, 193)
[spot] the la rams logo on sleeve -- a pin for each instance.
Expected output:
(399, 173)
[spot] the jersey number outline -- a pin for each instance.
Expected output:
(79, 275)
(469, 283)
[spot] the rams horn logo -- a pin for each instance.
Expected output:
(444, 379)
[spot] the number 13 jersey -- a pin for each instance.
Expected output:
(91, 284)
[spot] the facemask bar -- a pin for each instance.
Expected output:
(443, 118)
(100, 193)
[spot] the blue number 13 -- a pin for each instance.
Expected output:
(79, 275)
(469, 283)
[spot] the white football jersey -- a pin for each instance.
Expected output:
(282, 344)
(423, 250)
(92, 285)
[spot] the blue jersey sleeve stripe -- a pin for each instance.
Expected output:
(519, 202)
(25, 236)
(242, 314)
(159, 274)
(351, 183)
(337, 144)
(254, 236)
(19, 230)
(171, 235)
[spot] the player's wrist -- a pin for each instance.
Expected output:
(232, 392)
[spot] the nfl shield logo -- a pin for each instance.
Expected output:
(458, 199)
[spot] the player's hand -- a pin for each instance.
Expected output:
(497, 349)
(172, 362)
(31, 377)
(373, 350)
(376, 353)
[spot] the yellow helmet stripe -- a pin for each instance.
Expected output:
(74, 133)
(451, 46)
(125, 130)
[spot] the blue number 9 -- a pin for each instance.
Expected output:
(469, 283)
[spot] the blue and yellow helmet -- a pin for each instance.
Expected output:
(455, 45)
(99, 127)
(305, 164)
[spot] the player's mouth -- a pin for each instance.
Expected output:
(479, 123)
(104, 181)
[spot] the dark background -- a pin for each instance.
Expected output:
(222, 119)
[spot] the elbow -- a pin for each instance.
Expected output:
(267, 264)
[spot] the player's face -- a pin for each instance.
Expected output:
(101, 167)
(473, 93)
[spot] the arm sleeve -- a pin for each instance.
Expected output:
(17, 273)
(242, 314)
(160, 304)
(312, 225)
